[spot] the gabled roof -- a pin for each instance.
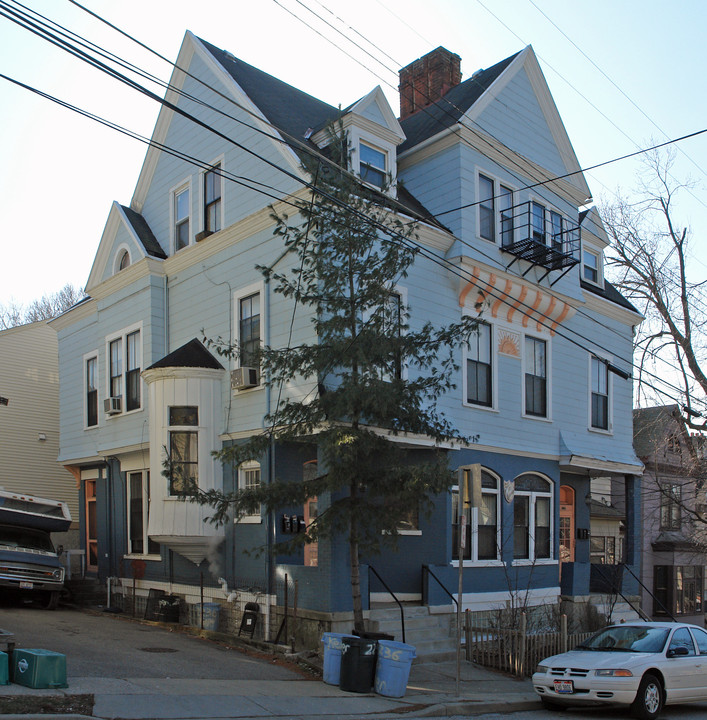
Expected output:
(608, 292)
(193, 354)
(652, 426)
(448, 111)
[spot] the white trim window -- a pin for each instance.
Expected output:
(124, 353)
(122, 259)
(600, 396)
(181, 214)
(249, 477)
(591, 266)
(183, 450)
(388, 320)
(479, 367)
(532, 518)
(373, 165)
(248, 331)
(213, 193)
(483, 538)
(137, 488)
(535, 378)
(91, 390)
(495, 202)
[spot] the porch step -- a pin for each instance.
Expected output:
(621, 612)
(432, 635)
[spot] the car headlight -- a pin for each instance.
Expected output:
(541, 668)
(620, 672)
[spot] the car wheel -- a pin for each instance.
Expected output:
(649, 698)
(52, 600)
(551, 705)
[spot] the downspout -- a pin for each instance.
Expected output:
(166, 315)
(271, 525)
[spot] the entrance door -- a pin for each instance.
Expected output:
(91, 526)
(566, 524)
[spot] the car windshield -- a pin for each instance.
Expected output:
(627, 638)
(18, 537)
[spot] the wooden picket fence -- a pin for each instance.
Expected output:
(514, 650)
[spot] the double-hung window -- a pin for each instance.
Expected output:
(556, 230)
(600, 394)
(482, 540)
(124, 366)
(92, 392)
(532, 518)
(212, 199)
(138, 489)
(181, 218)
(487, 209)
(372, 165)
(249, 330)
(670, 502)
(249, 479)
(535, 377)
(495, 211)
(538, 222)
(479, 372)
(183, 450)
(590, 266)
(679, 590)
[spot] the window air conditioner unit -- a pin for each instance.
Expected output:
(244, 377)
(111, 405)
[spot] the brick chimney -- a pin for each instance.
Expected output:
(427, 79)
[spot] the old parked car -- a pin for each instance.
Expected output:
(644, 665)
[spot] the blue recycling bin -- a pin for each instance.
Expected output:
(393, 668)
(332, 657)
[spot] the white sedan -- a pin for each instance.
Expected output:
(644, 665)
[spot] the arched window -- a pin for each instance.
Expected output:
(123, 260)
(482, 538)
(532, 518)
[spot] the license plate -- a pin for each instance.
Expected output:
(26, 585)
(564, 686)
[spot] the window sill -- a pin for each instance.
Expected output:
(474, 406)
(411, 533)
(536, 417)
(243, 391)
(600, 431)
(122, 413)
(137, 556)
(249, 520)
(478, 563)
(543, 561)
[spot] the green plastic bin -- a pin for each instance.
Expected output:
(4, 669)
(40, 669)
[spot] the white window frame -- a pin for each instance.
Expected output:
(494, 372)
(356, 137)
(145, 513)
(402, 293)
(610, 395)
(243, 468)
(121, 250)
(385, 170)
(548, 378)
(123, 335)
(173, 219)
(194, 429)
(598, 255)
(93, 355)
(533, 495)
(474, 560)
(242, 294)
(202, 192)
(497, 211)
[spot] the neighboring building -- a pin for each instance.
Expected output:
(541, 388)
(29, 420)
(674, 515)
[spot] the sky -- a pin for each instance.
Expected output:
(625, 74)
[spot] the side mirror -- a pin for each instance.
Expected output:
(679, 651)
(60, 550)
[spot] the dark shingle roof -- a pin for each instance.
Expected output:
(608, 292)
(446, 112)
(287, 108)
(193, 354)
(652, 425)
(142, 230)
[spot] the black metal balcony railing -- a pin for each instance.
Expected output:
(543, 238)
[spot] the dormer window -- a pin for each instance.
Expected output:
(591, 266)
(372, 165)
(124, 260)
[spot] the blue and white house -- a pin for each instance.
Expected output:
(486, 167)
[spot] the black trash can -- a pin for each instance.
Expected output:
(358, 664)
(168, 608)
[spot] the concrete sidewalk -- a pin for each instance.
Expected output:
(431, 692)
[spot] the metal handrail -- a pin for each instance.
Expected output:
(426, 568)
(385, 585)
(667, 612)
(613, 584)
